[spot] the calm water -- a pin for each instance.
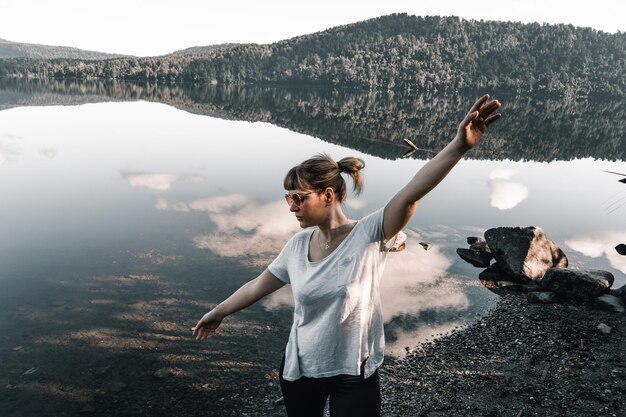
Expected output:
(90, 189)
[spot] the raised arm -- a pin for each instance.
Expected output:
(246, 295)
(399, 210)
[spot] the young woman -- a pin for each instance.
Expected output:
(334, 267)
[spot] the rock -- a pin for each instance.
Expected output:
(621, 249)
(475, 239)
(620, 292)
(610, 303)
(117, 387)
(577, 285)
(478, 243)
(516, 286)
(279, 401)
(162, 373)
(478, 258)
(426, 245)
(547, 297)
(493, 273)
(604, 329)
(524, 252)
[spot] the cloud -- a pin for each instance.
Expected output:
(355, 203)
(9, 150)
(597, 244)
(49, 153)
(501, 174)
(157, 181)
(506, 195)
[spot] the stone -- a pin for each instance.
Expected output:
(162, 373)
(621, 249)
(581, 285)
(478, 243)
(516, 286)
(525, 252)
(493, 273)
(604, 329)
(547, 297)
(620, 292)
(478, 258)
(426, 245)
(610, 303)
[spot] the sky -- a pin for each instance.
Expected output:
(157, 27)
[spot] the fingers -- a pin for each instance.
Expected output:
(479, 103)
(492, 119)
(470, 116)
(489, 108)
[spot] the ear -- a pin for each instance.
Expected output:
(329, 194)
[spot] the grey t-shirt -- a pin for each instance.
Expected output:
(337, 320)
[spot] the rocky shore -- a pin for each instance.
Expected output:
(519, 360)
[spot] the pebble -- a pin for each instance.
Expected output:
(604, 329)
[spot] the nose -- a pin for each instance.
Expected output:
(293, 208)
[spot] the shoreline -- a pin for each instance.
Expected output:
(120, 345)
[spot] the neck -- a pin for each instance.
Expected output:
(334, 225)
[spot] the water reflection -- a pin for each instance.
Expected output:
(600, 243)
(157, 181)
(371, 122)
(9, 149)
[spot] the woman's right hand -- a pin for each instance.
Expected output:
(207, 325)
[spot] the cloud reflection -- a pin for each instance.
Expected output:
(157, 181)
(600, 243)
(505, 195)
(9, 150)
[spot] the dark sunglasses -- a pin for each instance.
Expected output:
(297, 198)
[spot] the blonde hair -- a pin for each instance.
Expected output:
(321, 171)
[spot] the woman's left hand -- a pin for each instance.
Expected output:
(477, 121)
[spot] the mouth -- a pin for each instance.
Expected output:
(299, 218)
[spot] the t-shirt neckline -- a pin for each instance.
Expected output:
(336, 250)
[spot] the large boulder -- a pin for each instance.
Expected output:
(524, 252)
(577, 284)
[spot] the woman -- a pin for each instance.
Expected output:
(336, 342)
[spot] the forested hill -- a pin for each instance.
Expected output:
(395, 52)
(10, 49)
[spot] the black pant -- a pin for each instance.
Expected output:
(350, 396)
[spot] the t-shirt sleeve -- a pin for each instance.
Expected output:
(373, 225)
(279, 266)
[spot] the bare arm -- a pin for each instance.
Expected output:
(399, 210)
(246, 295)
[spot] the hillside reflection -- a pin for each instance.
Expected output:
(534, 128)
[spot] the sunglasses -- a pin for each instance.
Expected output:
(297, 198)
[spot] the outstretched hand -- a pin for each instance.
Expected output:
(206, 326)
(477, 121)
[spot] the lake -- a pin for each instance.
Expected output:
(184, 184)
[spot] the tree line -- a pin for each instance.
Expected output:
(396, 52)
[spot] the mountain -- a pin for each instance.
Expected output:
(10, 49)
(396, 52)
(202, 50)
